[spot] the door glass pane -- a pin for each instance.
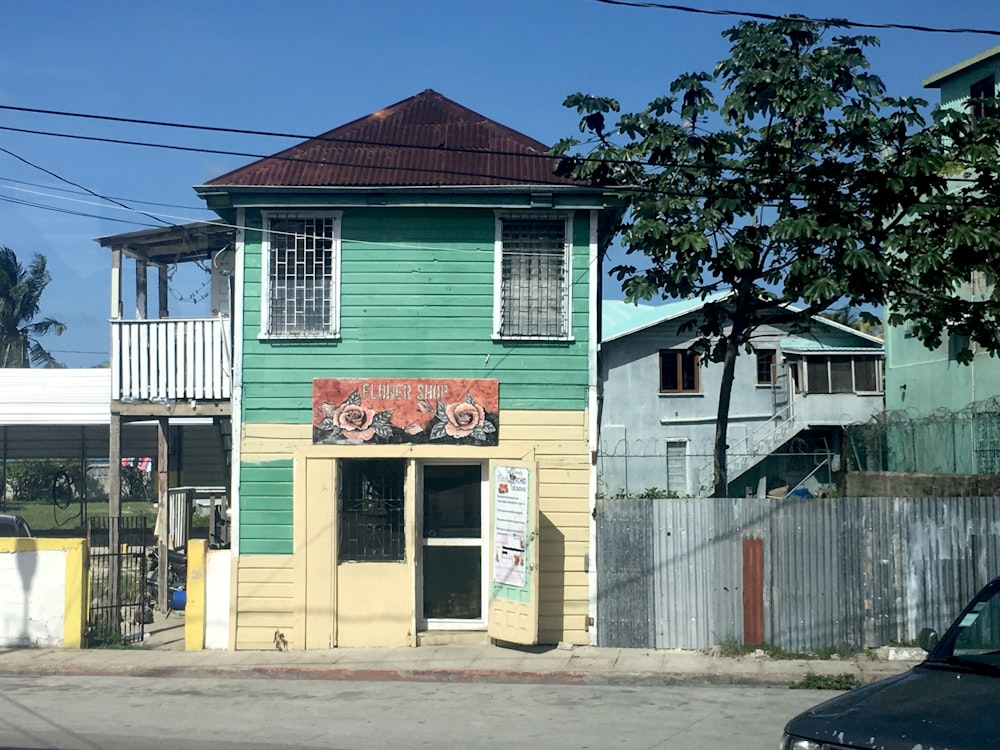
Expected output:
(452, 583)
(453, 502)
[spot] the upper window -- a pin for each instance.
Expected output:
(982, 97)
(765, 366)
(302, 275)
(678, 371)
(532, 298)
(842, 374)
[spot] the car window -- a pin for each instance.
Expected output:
(7, 528)
(976, 633)
(979, 629)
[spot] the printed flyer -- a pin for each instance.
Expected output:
(510, 525)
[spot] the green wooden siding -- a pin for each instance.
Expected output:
(266, 508)
(416, 301)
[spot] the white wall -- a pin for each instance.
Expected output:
(218, 566)
(33, 599)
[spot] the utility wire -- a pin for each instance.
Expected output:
(280, 157)
(76, 184)
(736, 168)
(805, 19)
(186, 207)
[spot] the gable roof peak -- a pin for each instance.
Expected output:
(424, 140)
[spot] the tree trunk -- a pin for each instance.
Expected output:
(722, 418)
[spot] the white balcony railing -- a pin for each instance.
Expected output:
(171, 359)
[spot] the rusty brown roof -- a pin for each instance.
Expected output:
(425, 140)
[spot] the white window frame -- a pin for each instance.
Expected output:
(436, 623)
(265, 287)
(567, 302)
(855, 359)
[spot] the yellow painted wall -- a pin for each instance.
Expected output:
(264, 605)
(374, 604)
(299, 593)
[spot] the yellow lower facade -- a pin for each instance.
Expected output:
(312, 599)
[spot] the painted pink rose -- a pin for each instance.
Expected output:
(354, 421)
(463, 418)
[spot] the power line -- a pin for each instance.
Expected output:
(83, 214)
(75, 184)
(720, 167)
(266, 133)
(804, 19)
(84, 192)
(280, 157)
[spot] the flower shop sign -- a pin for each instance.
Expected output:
(355, 411)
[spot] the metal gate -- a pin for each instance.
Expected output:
(119, 600)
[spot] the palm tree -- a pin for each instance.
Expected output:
(20, 297)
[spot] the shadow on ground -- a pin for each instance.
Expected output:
(165, 632)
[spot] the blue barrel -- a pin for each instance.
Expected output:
(178, 598)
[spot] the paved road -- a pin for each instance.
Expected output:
(117, 713)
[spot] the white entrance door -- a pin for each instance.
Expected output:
(453, 565)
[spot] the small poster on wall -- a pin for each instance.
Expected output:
(510, 525)
(367, 411)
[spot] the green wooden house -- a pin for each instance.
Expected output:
(411, 374)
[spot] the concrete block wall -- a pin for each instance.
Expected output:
(42, 592)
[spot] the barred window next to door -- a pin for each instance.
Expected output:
(533, 291)
(301, 278)
(370, 499)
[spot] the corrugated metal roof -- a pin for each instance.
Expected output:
(801, 345)
(619, 318)
(55, 397)
(935, 81)
(426, 140)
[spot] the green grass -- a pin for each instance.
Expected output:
(45, 519)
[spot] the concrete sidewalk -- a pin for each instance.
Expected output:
(452, 663)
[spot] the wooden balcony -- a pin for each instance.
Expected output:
(172, 366)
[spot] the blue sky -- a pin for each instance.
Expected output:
(306, 67)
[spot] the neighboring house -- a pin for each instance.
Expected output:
(64, 414)
(410, 371)
(791, 399)
(921, 382)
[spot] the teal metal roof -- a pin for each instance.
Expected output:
(620, 318)
(802, 345)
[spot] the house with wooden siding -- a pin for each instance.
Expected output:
(412, 375)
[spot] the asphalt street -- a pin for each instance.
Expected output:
(114, 713)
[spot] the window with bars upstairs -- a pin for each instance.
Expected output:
(302, 275)
(534, 285)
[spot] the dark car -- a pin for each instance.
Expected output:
(947, 702)
(11, 525)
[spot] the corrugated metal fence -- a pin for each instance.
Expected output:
(803, 575)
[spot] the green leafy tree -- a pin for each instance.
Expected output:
(20, 302)
(790, 178)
